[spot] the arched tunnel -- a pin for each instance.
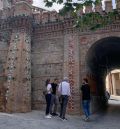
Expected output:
(102, 57)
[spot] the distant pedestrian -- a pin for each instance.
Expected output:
(64, 90)
(54, 98)
(86, 98)
(107, 95)
(48, 98)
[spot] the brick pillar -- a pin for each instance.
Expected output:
(118, 4)
(18, 67)
(108, 6)
(71, 70)
(98, 8)
(88, 9)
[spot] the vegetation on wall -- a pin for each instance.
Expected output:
(92, 20)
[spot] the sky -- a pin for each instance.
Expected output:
(40, 3)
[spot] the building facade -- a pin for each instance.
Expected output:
(36, 44)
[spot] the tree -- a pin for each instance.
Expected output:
(92, 20)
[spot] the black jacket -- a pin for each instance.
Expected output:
(85, 92)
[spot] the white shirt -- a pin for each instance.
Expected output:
(64, 88)
(49, 88)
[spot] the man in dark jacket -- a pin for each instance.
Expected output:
(86, 98)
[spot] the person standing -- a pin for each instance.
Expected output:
(64, 90)
(86, 98)
(54, 99)
(48, 98)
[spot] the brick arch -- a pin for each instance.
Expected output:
(86, 42)
(102, 57)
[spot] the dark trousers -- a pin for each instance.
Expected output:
(54, 102)
(48, 102)
(63, 105)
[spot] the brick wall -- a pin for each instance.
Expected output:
(47, 62)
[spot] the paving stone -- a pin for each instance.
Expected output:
(36, 120)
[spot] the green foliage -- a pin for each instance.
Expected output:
(96, 20)
(48, 3)
(92, 20)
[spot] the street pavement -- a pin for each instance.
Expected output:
(35, 120)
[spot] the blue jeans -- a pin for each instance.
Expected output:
(86, 107)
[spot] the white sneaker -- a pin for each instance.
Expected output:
(48, 116)
(87, 119)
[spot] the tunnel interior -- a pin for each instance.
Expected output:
(102, 57)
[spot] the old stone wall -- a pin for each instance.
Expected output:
(4, 44)
(15, 49)
(17, 68)
(69, 59)
(55, 53)
(47, 62)
(86, 40)
(18, 72)
(58, 49)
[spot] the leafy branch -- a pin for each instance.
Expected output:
(93, 20)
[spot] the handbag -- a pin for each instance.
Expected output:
(44, 92)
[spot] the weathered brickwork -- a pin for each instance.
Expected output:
(18, 72)
(4, 44)
(16, 85)
(47, 62)
(35, 45)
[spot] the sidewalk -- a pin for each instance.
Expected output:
(115, 97)
(36, 120)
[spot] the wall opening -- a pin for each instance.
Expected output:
(113, 82)
(102, 57)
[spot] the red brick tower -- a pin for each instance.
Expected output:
(18, 65)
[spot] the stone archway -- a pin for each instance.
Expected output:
(102, 57)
